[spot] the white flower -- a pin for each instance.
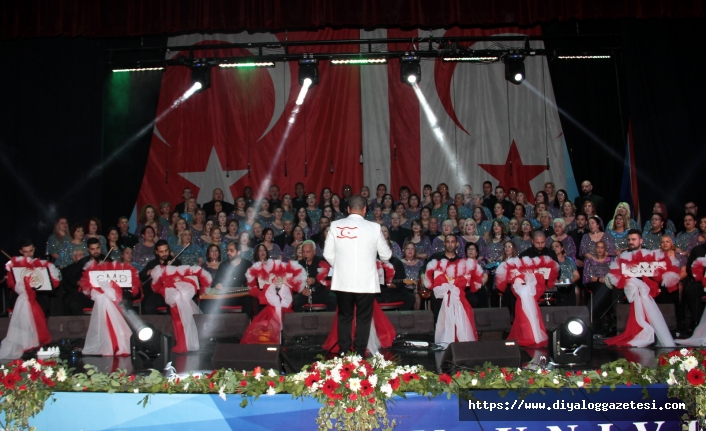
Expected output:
(4, 372)
(619, 370)
(684, 352)
(393, 375)
(671, 380)
(604, 374)
(258, 376)
(186, 387)
(474, 382)
(363, 370)
(539, 371)
(48, 373)
(556, 382)
(270, 391)
(357, 408)
(314, 387)
(37, 367)
(373, 379)
(673, 360)
(78, 385)
(689, 363)
(386, 389)
(354, 384)
(136, 391)
(221, 392)
(579, 384)
(271, 373)
(424, 377)
(28, 364)
(519, 371)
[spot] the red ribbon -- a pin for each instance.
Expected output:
(40, 321)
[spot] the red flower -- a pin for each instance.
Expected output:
(568, 374)
(165, 386)
(408, 377)
(371, 411)
(366, 388)
(587, 380)
(395, 383)
(132, 377)
(331, 403)
(353, 397)
(211, 374)
(458, 374)
(663, 360)
(482, 374)
(210, 385)
(177, 380)
(350, 410)
(345, 374)
(371, 400)
(329, 389)
(243, 383)
(578, 373)
(271, 384)
(673, 353)
(531, 380)
(696, 377)
(348, 368)
(281, 379)
(23, 387)
(313, 377)
(445, 378)
(628, 383)
(508, 377)
(257, 370)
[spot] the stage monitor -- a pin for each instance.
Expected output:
(473, 354)
(247, 356)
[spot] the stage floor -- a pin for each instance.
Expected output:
(296, 358)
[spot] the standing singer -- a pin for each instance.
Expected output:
(352, 246)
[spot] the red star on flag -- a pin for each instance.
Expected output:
(514, 173)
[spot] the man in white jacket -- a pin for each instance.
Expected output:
(352, 247)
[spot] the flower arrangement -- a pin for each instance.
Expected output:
(354, 392)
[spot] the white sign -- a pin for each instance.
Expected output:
(39, 277)
(642, 269)
(544, 271)
(122, 277)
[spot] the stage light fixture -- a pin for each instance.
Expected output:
(248, 64)
(410, 70)
(149, 347)
(358, 61)
(201, 73)
(469, 59)
(514, 68)
(138, 69)
(583, 57)
(308, 69)
(571, 343)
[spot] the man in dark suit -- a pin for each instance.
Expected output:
(587, 195)
(488, 198)
(539, 242)
(217, 196)
(186, 194)
(508, 207)
(398, 233)
(125, 238)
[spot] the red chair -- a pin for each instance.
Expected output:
(387, 306)
(87, 311)
(315, 307)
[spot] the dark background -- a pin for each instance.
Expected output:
(68, 148)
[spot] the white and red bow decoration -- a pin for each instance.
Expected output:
(698, 338)
(645, 321)
(28, 325)
(272, 282)
(178, 284)
(386, 272)
(698, 268)
(108, 333)
(516, 267)
(448, 280)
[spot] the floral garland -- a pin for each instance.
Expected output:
(353, 391)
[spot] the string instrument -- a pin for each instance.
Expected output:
(424, 293)
(406, 281)
(178, 254)
(225, 293)
(107, 254)
(6, 255)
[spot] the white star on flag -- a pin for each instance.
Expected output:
(213, 177)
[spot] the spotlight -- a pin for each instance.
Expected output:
(410, 70)
(571, 343)
(514, 68)
(302, 93)
(201, 73)
(308, 69)
(149, 347)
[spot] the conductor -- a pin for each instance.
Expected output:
(352, 246)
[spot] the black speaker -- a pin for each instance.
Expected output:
(492, 319)
(153, 354)
(306, 328)
(555, 316)
(667, 310)
(472, 354)
(247, 356)
(419, 322)
(221, 326)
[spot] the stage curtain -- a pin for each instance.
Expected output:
(90, 18)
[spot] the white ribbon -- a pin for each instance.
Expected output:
(98, 340)
(180, 296)
(698, 338)
(452, 322)
(22, 331)
(647, 315)
(374, 344)
(283, 300)
(526, 292)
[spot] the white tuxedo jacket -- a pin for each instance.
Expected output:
(352, 247)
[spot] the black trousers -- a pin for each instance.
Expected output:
(691, 297)
(362, 305)
(321, 295)
(396, 294)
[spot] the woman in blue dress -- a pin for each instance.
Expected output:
(216, 239)
(396, 250)
(67, 248)
(421, 242)
(312, 211)
(191, 254)
(59, 236)
(482, 223)
(623, 208)
(438, 207)
(288, 211)
(618, 230)
(273, 250)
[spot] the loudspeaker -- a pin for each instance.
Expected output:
(315, 327)
(144, 356)
(221, 326)
(492, 320)
(667, 310)
(247, 356)
(419, 322)
(67, 327)
(555, 316)
(472, 354)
